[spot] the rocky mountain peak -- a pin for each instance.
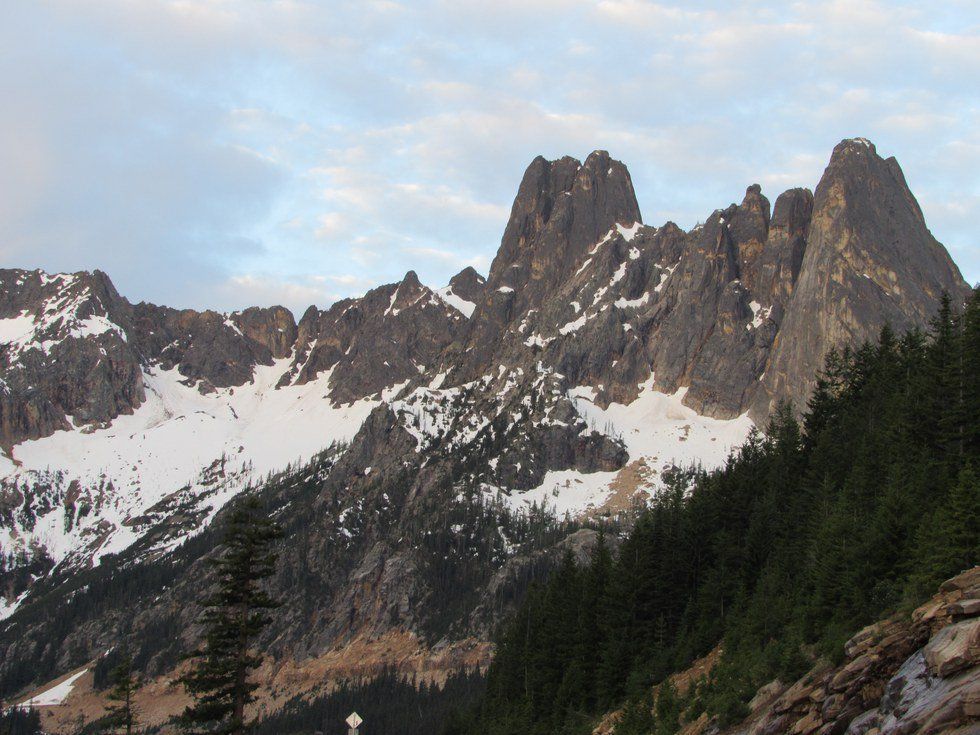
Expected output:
(749, 230)
(857, 174)
(562, 207)
(467, 284)
(411, 281)
(778, 265)
(868, 252)
(406, 293)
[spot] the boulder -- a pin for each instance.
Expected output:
(954, 648)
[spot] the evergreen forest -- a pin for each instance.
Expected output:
(826, 522)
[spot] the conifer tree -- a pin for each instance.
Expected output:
(233, 618)
(121, 713)
(16, 721)
(949, 541)
(970, 408)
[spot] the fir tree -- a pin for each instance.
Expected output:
(233, 618)
(121, 713)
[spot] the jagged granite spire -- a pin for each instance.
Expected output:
(561, 210)
(562, 207)
(870, 260)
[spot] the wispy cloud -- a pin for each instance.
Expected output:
(224, 153)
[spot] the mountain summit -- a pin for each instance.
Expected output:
(869, 260)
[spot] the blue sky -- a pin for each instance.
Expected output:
(224, 153)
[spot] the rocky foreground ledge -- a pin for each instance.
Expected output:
(907, 674)
(915, 673)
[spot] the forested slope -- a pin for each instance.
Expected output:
(811, 531)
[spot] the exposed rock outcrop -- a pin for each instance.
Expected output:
(389, 336)
(869, 260)
(908, 674)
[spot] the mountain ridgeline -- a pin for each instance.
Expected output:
(431, 453)
(704, 309)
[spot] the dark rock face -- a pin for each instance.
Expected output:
(739, 312)
(273, 328)
(67, 354)
(468, 284)
(562, 208)
(779, 264)
(207, 348)
(869, 260)
(391, 335)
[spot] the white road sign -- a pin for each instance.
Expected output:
(354, 721)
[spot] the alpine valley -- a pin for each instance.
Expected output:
(430, 453)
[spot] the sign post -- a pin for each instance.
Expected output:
(353, 722)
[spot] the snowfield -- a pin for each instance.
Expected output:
(55, 695)
(656, 428)
(660, 426)
(167, 442)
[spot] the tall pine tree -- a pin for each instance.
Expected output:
(233, 618)
(121, 713)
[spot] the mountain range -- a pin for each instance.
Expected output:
(427, 450)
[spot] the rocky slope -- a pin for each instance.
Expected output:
(917, 673)
(597, 352)
(912, 673)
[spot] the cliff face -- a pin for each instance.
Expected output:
(597, 353)
(869, 259)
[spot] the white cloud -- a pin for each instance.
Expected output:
(204, 150)
(480, 262)
(241, 291)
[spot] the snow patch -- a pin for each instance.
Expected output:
(460, 304)
(536, 340)
(623, 303)
(55, 695)
(629, 233)
(667, 271)
(759, 315)
(618, 275)
(574, 326)
(8, 608)
(564, 492)
(659, 425)
(16, 328)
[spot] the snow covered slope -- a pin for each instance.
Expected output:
(659, 433)
(101, 480)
